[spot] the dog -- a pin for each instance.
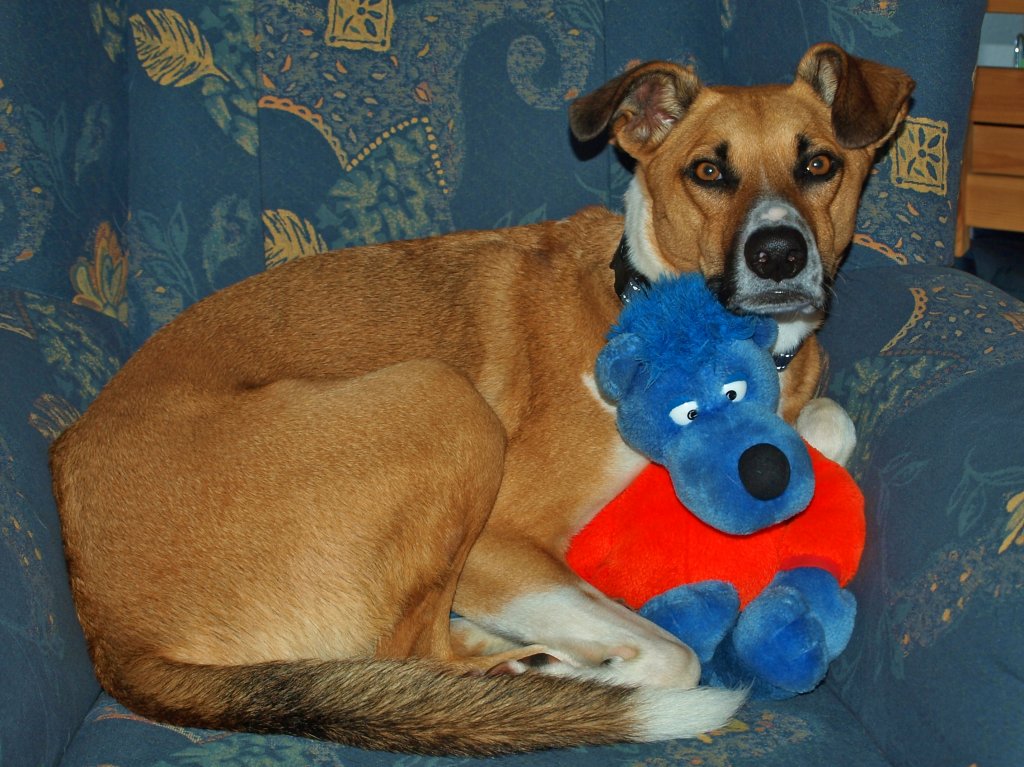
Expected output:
(272, 510)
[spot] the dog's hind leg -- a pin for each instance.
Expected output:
(434, 450)
(308, 518)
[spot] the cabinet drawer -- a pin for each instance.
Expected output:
(997, 149)
(998, 96)
(995, 202)
(1006, 6)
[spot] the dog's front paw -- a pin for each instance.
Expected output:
(828, 428)
(780, 640)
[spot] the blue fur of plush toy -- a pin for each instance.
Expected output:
(677, 345)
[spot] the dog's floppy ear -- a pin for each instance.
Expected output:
(639, 107)
(618, 365)
(868, 100)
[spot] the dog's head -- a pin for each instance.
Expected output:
(757, 187)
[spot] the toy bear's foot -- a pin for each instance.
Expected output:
(781, 641)
(784, 640)
(699, 614)
(833, 605)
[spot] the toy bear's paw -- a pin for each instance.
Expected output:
(699, 614)
(781, 641)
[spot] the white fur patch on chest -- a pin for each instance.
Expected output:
(590, 384)
(621, 466)
(794, 327)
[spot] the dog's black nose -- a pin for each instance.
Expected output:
(764, 471)
(776, 253)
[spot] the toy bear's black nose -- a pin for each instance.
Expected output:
(764, 471)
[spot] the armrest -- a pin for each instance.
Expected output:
(929, 362)
(55, 357)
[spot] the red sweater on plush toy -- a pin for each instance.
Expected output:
(646, 542)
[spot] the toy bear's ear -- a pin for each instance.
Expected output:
(766, 330)
(617, 366)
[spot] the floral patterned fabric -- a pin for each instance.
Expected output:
(153, 152)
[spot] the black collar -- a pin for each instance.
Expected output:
(782, 360)
(629, 282)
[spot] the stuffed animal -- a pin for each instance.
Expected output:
(727, 543)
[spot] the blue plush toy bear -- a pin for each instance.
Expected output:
(697, 391)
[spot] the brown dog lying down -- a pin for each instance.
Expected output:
(271, 510)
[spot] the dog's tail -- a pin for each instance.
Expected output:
(418, 706)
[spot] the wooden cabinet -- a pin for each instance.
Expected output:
(992, 186)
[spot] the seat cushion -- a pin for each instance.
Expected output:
(811, 730)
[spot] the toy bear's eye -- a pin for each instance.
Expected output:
(683, 414)
(735, 391)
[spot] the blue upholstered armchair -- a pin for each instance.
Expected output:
(154, 152)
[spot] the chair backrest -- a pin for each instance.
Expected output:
(209, 142)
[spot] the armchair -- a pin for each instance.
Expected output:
(153, 153)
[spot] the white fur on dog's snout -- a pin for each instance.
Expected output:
(828, 428)
(754, 293)
(774, 214)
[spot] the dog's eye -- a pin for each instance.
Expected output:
(683, 414)
(819, 165)
(735, 391)
(707, 171)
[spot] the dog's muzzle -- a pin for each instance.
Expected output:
(776, 266)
